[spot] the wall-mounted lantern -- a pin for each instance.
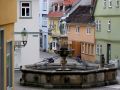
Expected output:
(23, 42)
(24, 35)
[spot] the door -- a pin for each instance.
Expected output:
(9, 66)
(45, 44)
(77, 48)
(108, 52)
(1, 60)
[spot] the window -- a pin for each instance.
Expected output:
(56, 7)
(83, 47)
(98, 25)
(92, 49)
(109, 25)
(44, 20)
(53, 44)
(41, 42)
(61, 8)
(77, 29)
(68, 29)
(105, 4)
(44, 5)
(52, 25)
(110, 3)
(88, 31)
(98, 49)
(25, 9)
(117, 3)
(86, 49)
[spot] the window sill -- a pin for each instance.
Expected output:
(88, 54)
(25, 17)
(44, 10)
(98, 30)
(44, 26)
(88, 34)
(108, 30)
(104, 7)
(110, 6)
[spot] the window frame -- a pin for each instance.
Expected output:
(92, 49)
(83, 47)
(88, 30)
(44, 6)
(98, 25)
(110, 3)
(98, 49)
(28, 7)
(68, 28)
(109, 25)
(44, 20)
(117, 3)
(77, 29)
(105, 4)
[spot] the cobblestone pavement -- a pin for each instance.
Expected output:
(45, 55)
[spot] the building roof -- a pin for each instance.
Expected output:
(64, 2)
(55, 14)
(69, 2)
(82, 12)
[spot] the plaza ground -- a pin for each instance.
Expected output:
(45, 55)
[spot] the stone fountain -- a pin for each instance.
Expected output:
(65, 75)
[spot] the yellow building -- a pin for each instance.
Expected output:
(53, 37)
(59, 7)
(7, 20)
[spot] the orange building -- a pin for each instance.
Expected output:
(81, 31)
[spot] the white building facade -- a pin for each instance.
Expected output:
(44, 9)
(28, 19)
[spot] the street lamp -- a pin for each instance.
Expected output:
(23, 42)
(24, 35)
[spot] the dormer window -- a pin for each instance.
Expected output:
(56, 7)
(61, 8)
(110, 3)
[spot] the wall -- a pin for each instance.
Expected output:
(100, 10)
(7, 19)
(105, 37)
(82, 36)
(44, 29)
(7, 11)
(8, 36)
(30, 53)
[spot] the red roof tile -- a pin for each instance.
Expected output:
(55, 14)
(69, 2)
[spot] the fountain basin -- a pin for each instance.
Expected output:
(75, 78)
